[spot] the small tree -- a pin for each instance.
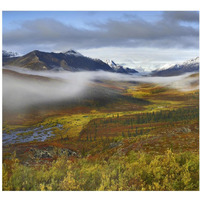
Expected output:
(123, 135)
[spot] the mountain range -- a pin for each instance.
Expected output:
(69, 60)
(74, 61)
(191, 65)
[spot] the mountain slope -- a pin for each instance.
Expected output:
(70, 60)
(178, 69)
(120, 69)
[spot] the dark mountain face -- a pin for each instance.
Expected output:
(178, 69)
(174, 72)
(71, 61)
(123, 70)
(131, 71)
(120, 69)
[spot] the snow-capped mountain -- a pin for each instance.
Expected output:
(191, 65)
(72, 52)
(9, 54)
(120, 69)
(113, 64)
(194, 61)
(166, 66)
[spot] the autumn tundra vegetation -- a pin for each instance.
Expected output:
(145, 136)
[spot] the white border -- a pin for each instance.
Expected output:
(101, 5)
(127, 5)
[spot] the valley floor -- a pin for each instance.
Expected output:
(148, 139)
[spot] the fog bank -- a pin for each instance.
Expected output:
(20, 92)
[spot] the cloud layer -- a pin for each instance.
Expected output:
(24, 92)
(171, 30)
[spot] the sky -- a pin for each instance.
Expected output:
(143, 40)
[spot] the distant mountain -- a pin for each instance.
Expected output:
(120, 69)
(7, 54)
(178, 69)
(70, 60)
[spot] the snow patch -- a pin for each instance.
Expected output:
(72, 52)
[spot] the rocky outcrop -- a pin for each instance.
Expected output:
(50, 152)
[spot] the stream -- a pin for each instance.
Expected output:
(39, 134)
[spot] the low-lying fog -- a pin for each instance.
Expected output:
(19, 91)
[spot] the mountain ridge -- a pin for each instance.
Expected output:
(191, 65)
(119, 68)
(38, 60)
(70, 60)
